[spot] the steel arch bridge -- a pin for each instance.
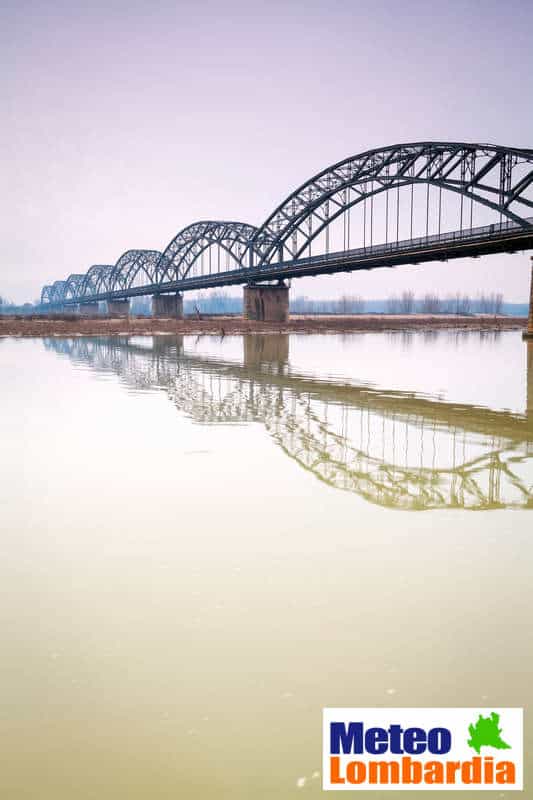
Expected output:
(401, 204)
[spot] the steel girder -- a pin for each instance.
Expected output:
(46, 294)
(189, 244)
(72, 286)
(133, 263)
(481, 172)
(96, 280)
(57, 292)
(498, 178)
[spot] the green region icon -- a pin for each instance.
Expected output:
(486, 733)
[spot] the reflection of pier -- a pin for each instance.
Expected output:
(529, 346)
(392, 448)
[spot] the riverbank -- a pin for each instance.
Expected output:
(70, 325)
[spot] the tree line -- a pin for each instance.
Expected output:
(431, 303)
(221, 302)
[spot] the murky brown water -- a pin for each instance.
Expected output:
(205, 542)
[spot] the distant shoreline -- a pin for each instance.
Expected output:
(65, 325)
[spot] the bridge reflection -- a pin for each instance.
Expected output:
(395, 449)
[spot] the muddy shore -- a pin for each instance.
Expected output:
(66, 325)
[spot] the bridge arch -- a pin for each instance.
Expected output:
(191, 242)
(46, 294)
(57, 292)
(131, 265)
(498, 180)
(495, 177)
(73, 285)
(95, 280)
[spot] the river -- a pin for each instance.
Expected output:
(207, 540)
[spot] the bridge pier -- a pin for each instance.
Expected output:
(529, 346)
(267, 303)
(88, 309)
(167, 305)
(529, 332)
(118, 308)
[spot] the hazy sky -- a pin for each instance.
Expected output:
(124, 122)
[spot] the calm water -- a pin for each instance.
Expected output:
(206, 541)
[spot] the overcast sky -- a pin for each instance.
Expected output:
(124, 122)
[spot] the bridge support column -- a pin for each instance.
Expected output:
(88, 309)
(118, 308)
(267, 303)
(529, 332)
(529, 346)
(167, 305)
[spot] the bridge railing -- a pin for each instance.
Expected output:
(484, 231)
(244, 274)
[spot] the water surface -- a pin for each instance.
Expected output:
(205, 541)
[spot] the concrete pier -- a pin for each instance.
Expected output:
(267, 303)
(88, 309)
(529, 346)
(529, 332)
(118, 308)
(167, 305)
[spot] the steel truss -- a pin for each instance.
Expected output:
(496, 178)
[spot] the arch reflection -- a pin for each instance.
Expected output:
(394, 449)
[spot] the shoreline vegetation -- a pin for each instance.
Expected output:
(219, 302)
(226, 325)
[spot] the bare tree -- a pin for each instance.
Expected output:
(407, 302)
(464, 304)
(358, 304)
(498, 303)
(353, 304)
(484, 303)
(456, 304)
(491, 303)
(393, 305)
(431, 303)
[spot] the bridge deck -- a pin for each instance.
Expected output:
(504, 238)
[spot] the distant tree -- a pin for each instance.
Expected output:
(431, 303)
(407, 302)
(357, 304)
(350, 304)
(484, 303)
(343, 304)
(455, 304)
(217, 302)
(490, 303)
(464, 305)
(393, 305)
(141, 306)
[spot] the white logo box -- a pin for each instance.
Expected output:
(456, 720)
